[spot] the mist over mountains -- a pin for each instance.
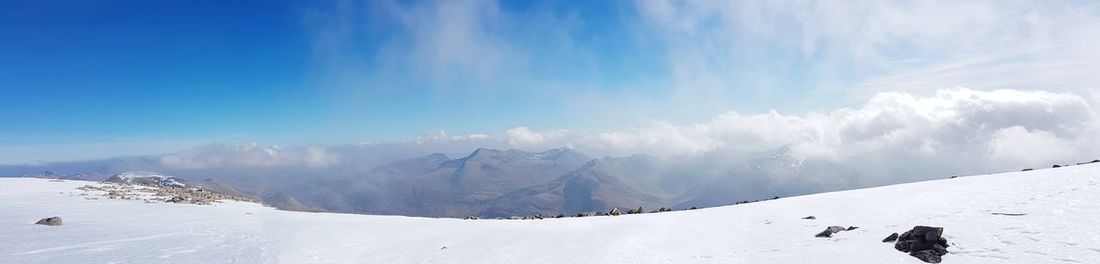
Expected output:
(500, 183)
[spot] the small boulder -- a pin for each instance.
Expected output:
(1028, 169)
(893, 237)
(50, 221)
(614, 211)
(1056, 166)
(809, 217)
(829, 231)
(850, 228)
(177, 199)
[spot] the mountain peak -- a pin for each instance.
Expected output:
(559, 153)
(438, 156)
(480, 152)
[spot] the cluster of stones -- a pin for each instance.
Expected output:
(196, 196)
(922, 242)
(114, 191)
(190, 195)
(613, 212)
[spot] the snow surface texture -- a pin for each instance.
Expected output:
(1060, 207)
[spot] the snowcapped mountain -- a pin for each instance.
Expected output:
(1039, 216)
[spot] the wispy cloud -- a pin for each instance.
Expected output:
(857, 49)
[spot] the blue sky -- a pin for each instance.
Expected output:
(92, 79)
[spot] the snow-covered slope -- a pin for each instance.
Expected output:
(1060, 208)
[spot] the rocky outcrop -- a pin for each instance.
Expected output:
(50, 221)
(614, 211)
(923, 242)
(141, 191)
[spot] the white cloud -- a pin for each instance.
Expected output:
(252, 155)
(522, 137)
(319, 157)
(861, 48)
(1018, 145)
(981, 125)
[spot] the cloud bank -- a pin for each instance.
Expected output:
(1002, 126)
(959, 130)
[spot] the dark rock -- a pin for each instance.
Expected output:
(50, 221)
(929, 256)
(1028, 169)
(829, 231)
(952, 177)
(893, 237)
(177, 199)
(922, 242)
(614, 211)
(693, 208)
(1056, 166)
(850, 228)
(809, 217)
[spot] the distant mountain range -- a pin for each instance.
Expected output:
(502, 183)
